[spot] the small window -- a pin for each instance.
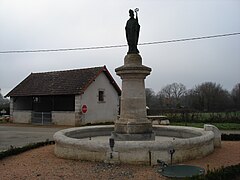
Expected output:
(101, 96)
(36, 99)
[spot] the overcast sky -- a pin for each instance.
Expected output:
(52, 24)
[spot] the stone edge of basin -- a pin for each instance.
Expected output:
(202, 143)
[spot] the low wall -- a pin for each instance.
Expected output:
(195, 143)
(63, 118)
(22, 116)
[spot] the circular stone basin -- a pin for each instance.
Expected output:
(92, 143)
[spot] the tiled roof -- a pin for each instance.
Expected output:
(60, 82)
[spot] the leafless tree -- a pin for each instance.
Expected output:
(150, 96)
(178, 90)
(236, 96)
(209, 96)
(172, 94)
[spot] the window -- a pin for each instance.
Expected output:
(101, 96)
(36, 99)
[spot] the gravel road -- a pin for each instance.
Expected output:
(20, 135)
(41, 163)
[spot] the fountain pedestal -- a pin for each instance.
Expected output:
(133, 124)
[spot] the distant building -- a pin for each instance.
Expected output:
(72, 97)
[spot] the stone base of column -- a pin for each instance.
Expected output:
(133, 137)
(133, 124)
(133, 131)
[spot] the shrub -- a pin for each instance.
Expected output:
(224, 173)
(18, 150)
(230, 137)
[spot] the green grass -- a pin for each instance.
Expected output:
(221, 126)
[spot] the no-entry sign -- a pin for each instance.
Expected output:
(84, 108)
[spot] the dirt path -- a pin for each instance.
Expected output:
(42, 164)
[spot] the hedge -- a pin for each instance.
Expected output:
(230, 137)
(18, 150)
(224, 173)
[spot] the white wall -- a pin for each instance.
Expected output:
(11, 109)
(63, 118)
(22, 116)
(100, 111)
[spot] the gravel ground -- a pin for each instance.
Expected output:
(42, 164)
(19, 135)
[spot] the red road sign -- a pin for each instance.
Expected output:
(84, 108)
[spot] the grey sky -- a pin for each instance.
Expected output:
(51, 24)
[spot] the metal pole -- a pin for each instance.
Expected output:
(42, 118)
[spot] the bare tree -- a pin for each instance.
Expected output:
(4, 103)
(172, 93)
(178, 90)
(150, 97)
(209, 96)
(236, 96)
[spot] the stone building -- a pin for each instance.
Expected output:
(72, 97)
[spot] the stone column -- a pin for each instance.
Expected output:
(133, 124)
(78, 113)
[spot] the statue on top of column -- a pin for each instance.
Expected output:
(132, 32)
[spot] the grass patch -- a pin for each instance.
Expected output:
(221, 126)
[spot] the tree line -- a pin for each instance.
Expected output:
(206, 97)
(4, 104)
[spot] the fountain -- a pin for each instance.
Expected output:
(133, 139)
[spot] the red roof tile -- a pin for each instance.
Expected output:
(60, 82)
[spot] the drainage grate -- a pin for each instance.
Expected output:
(181, 171)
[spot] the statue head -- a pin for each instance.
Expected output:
(131, 13)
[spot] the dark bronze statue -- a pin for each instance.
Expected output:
(132, 32)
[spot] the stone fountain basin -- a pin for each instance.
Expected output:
(92, 143)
